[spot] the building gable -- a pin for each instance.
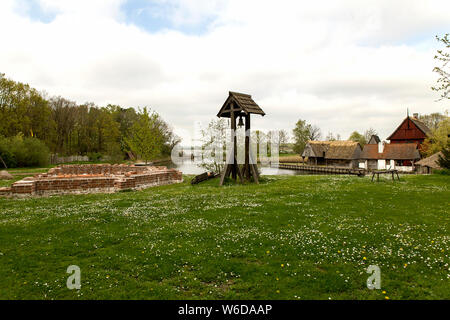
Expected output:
(409, 129)
(374, 139)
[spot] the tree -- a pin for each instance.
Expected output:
(332, 137)
(369, 133)
(443, 82)
(64, 117)
(314, 132)
(283, 139)
(283, 136)
(145, 139)
(301, 134)
(357, 137)
(362, 139)
(169, 139)
(432, 120)
(213, 138)
(438, 139)
(68, 128)
(444, 161)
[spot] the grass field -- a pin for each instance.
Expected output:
(291, 237)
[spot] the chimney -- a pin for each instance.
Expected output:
(380, 147)
(416, 116)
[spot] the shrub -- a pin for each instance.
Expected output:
(6, 155)
(445, 172)
(37, 153)
(444, 161)
(18, 151)
(94, 156)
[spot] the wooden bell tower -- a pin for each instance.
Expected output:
(240, 105)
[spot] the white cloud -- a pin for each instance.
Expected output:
(344, 67)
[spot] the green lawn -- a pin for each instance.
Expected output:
(291, 237)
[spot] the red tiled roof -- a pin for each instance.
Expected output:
(392, 151)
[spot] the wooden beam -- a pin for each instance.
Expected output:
(247, 172)
(226, 169)
(238, 169)
(234, 143)
(254, 169)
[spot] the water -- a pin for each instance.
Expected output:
(188, 167)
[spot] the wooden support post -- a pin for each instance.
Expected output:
(238, 169)
(247, 172)
(234, 142)
(227, 169)
(254, 169)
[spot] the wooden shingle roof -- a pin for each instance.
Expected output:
(422, 126)
(416, 122)
(242, 101)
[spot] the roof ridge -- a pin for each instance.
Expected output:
(239, 93)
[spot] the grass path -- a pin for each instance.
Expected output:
(291, 237)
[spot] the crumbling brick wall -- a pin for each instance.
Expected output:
(93, 178)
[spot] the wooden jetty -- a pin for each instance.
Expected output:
(321, 169)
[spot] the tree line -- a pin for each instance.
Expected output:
(68, 128)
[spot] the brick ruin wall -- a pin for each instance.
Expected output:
(91, 179)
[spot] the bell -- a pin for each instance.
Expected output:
(241, 122)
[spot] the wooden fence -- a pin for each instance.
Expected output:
(55, 159)
(327, 170)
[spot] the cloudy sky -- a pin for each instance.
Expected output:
(342, 65)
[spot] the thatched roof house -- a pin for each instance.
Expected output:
(427, 165)
(333, 153)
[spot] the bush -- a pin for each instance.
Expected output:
(444, 160)
(24, 152)
(94, 156)
(6, 155)
(445, 172)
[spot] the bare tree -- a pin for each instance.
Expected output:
(369, 133)
(330, 137)
(432, 120)
(314, 132)
(213, 138)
